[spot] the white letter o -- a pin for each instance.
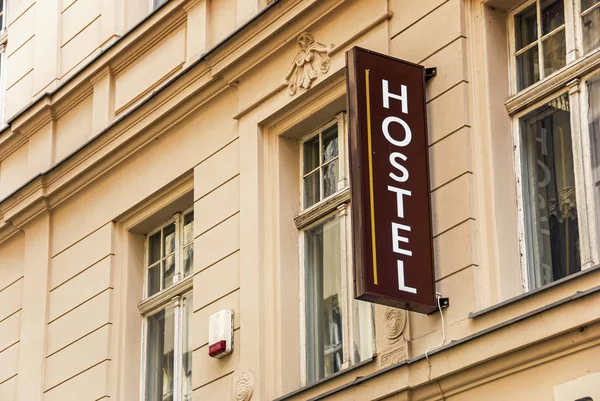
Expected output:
(407, 131)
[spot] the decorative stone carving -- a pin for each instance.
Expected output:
(313, 57)
(243, 387)
(394, 355)
(395, 321)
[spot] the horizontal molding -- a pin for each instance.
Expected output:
(170, 103)
(322, 208)
(556, 82)
(166, 296)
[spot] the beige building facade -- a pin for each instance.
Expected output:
(161, 161)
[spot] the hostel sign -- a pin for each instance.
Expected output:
(390, 181)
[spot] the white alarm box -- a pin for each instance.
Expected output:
(220, 334)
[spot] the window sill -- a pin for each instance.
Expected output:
(319, 382)
(554, 82)
(533, 293)
(322, 208)
(166, 295)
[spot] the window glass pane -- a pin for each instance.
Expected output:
(525, 27)
(186, 374)
(311, 154)
(591, 30)
(363, 330)
(594, 128)
(154, 279)
(169, 239)
(323, 300)
(188, 260)
(312, 189)
(554, 52)
(585, 4)
(153, 247)
(188, 228)
(549, 188)
(158, 3)
(330, 143)
(159, 356)
(528, 70)
(169, 264)
(553, 15)
(330, 178)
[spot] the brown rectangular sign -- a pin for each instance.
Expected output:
(390, 181)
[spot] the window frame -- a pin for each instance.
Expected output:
(578, 16)
(573, 42)
(171, 296)
(3, 59)
(4, 24)
(314, 215)
(586, 205)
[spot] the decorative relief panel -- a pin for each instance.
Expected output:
(243, 387)
(394, 325)
(395, 321)
(312, 58)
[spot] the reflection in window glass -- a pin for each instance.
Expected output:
(188, 244)
(528, 68)
(526, 27)
(594, 128)
(320, 166)
(160, 337)
(586, 4)
(549, 191)
(553, 15)
(323, 296)
(186, 366)
(158, 3)
(555, 53)
(590, 25)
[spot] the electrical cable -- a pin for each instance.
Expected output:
(438, 296)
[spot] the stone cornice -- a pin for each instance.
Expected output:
(167, 105)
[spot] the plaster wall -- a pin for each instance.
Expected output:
(148, 130)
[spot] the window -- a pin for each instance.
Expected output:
(2, 17)
(590, 23)
(3, 44)
(167, 308)
(154, 4)
(552, 223)
(593, 118)
(2, 81)
(556, 136)
(545, 37)
(338, 330)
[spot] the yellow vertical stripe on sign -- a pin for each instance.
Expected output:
(371, 178)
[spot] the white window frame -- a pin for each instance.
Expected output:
(4, 25)
(586, 203)
(314, 215)
(573, 40)
(173, 295)
(579, 29)
(3, 59)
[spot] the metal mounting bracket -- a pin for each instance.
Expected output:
(444, 303)
(430, 73)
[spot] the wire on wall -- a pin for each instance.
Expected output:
(438, 296)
